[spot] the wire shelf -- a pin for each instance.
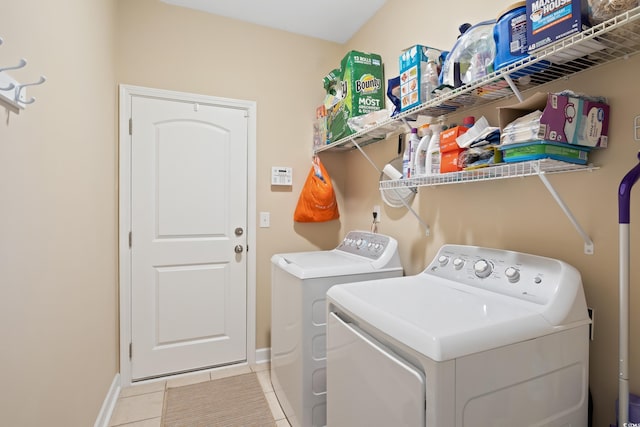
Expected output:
(617, 38)
(501, 171)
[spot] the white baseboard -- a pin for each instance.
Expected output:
(109, 403)
(263, 355)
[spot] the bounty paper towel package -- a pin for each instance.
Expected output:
(354, 89)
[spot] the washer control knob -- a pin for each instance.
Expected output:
(443, 260)
(359, 242)
(513, 274)
(458, 263)
(482, 268)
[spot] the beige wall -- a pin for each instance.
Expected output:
(58, 298)
(517, 214)
(58, 289)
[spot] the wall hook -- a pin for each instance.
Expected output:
(11, 86)
(21, 64)
(20, 86)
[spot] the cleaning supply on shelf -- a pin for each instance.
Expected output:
(450, 151)
(419, 69)
(420, 168)
(432, 163)
(408, 157)
(468, 121)
(510, 34)
(535, 150)
(471, 57)
(415, 141)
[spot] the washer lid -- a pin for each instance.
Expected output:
(437, 318)
(309, 265)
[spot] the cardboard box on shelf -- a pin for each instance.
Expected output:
(450, 151)
(565, 118)
(415, 88)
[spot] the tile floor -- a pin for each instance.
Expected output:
(141, 405)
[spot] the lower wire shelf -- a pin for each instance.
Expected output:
(500, 171)
(539, 168)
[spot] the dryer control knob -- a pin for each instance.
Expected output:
(443, 260)
(458, 263)
(482, 268)
(513, 274)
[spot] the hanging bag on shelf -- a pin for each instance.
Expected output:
(317, 202)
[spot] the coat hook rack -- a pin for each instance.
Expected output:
(13, 94)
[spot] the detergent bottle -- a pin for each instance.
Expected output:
(432, 164)
(421, 152)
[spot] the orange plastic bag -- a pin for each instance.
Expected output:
(317, 202)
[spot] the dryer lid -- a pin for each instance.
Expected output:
(439, 320)
(309, 265)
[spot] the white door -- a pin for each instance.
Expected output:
(188, 236)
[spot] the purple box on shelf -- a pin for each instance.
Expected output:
(565, 118)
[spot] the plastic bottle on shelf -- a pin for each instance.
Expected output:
(409, 153)
(431, 74)
(469, 121)
(421, 153)
(432, 164)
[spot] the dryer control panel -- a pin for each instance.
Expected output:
(527, 277)
(370, 245)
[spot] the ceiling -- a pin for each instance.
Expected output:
(332, 20)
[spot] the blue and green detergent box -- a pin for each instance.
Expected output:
(419, 70)
(551, 20)
(354, 89)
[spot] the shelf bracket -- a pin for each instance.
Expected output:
(406, 205)
(588, 243)
(513, 87)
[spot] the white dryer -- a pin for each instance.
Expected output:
(481, 338)
(299, 283)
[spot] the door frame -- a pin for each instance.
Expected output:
(126, 92)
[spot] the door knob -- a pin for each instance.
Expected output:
(238, 249)
(239, 231)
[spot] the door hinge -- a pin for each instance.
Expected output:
(130, 240)
(130, 350)
(130, 126)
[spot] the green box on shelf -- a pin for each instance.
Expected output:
(355, 89)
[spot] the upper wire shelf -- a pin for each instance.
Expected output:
(614, 39)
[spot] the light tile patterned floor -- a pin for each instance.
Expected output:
(141, 405)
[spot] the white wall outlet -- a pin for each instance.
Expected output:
(265, 219)
(376, 210)
(281, 175)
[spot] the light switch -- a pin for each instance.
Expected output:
(265, 219)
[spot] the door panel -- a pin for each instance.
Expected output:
(188, 194)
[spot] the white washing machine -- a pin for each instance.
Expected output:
(481, 338)
(299, 283)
